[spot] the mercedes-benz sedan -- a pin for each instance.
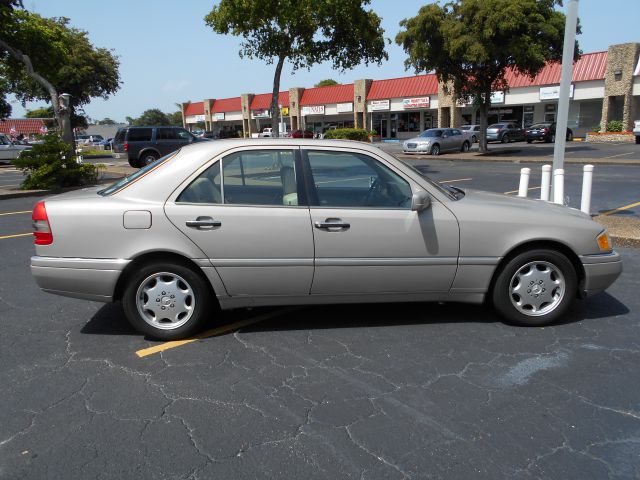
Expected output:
(242, 223)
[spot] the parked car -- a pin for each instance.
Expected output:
(236, 223)
(9, 149)
(144, 145)
(106, 144)
(473, 130)
(636, 131)
(505, 133)
(266, 132)
(301, 134)
(545, 132)
(88, 140)
(437, 140)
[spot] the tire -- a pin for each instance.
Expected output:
(148, 158)
(505, 138)
(474, 139)
(465, 147)
(184, 292)
(529, 140)
(554, 284)
(435, 149)
(134, 164)
(637, 139)
(553, 138)
(569, 136)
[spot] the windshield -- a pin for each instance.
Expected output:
(123, 182)
(431, 133)
(497, 125)
(452, 193)
(540, 125)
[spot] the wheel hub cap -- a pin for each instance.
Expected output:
(165, 301)
(537, 288)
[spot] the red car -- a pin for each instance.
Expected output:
(301, 134)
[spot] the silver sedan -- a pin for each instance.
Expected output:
(437, 140)
(240, 223)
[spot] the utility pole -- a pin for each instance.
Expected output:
(565, 84)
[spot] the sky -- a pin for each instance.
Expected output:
(168, 55)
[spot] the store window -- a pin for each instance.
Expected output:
(527, 116)
(550, 112)
(409, 122)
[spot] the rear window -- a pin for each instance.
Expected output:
(140, 134)
(497, 125)
(120, 135)
(123, 182)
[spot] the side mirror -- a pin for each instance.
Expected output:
(420, 201)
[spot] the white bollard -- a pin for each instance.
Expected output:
(558, 186)
(545, 183)
(524, 182)
(587, 181)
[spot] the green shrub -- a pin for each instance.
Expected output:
(614, 126)
(348, 134)
(49, 165)
(595, 128)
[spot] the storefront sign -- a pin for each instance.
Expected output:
(345, 107)
(313, 110)
(501, 111)
(497, 97)
(379, 105)
(553, 93)
(284, 111)
(528, 108)
(420, 102)
(218, 116)
(261, 113)
(199, 118)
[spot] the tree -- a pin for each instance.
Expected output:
(175, 119)
(43, 57)
(106, 121)
(326, 83)
(43, 112)
(304, 32)
(472, 44)
(153, 116)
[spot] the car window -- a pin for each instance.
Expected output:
(140, 134)
(456, 132)
(253, 177)
(497, 125)
(345, 179)
(182, 134)
(120, 134)
(476, 128)
(3, 140)
(167, 134)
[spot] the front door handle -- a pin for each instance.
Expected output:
(204, 223)
(332, 223)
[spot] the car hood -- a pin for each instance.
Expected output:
(528, 206)
(419, 140)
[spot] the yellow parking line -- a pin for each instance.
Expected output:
(16, 235)
(213, 332)
(14, 213)
(456, 180)
(516, 191)
(619, 209)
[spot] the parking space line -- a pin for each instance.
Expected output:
(214, 332)
(516, 191)
(15, 236)
(619, 209)
(621, 155)
(14, 213)
(456, 180)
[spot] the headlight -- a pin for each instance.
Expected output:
(604, 242)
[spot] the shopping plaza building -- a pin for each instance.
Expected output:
(605, 86)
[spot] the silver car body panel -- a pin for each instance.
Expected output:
(273, 255)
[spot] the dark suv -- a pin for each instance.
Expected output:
(144, 145)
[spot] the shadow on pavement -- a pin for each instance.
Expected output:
(110, 319)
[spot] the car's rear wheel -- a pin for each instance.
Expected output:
(474, 139)
(569, 136)
(465, 147)
(148, 157)
(529, 140)
(535, 288)
(167, 301)
(435, 149)
(505, 138)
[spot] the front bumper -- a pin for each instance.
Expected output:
(492, 137)
(86, 278)
(418, 148)
(600, 271)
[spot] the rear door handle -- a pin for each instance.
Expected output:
(204, 223)
(332, 223)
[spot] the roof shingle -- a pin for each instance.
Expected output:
(325, 95)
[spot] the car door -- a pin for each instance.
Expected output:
(367, 238)
(6, 148)
(246, 213)
(456, 139)
(446, 139)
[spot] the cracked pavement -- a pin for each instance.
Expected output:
(361, 391)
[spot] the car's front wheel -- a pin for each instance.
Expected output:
(505, 138)
(167, 301)
(535, 288)
(435, 149)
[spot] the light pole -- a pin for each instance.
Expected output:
(280, 110)
(565, 85)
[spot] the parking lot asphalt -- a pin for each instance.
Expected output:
(364, 391)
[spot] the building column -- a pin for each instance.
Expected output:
(628, 115)
(360, 91)
(606, 103)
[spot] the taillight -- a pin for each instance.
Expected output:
(41, 228)
(545, 130)
(126, 146)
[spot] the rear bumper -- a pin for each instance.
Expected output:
(86, 278)
(600, 271)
